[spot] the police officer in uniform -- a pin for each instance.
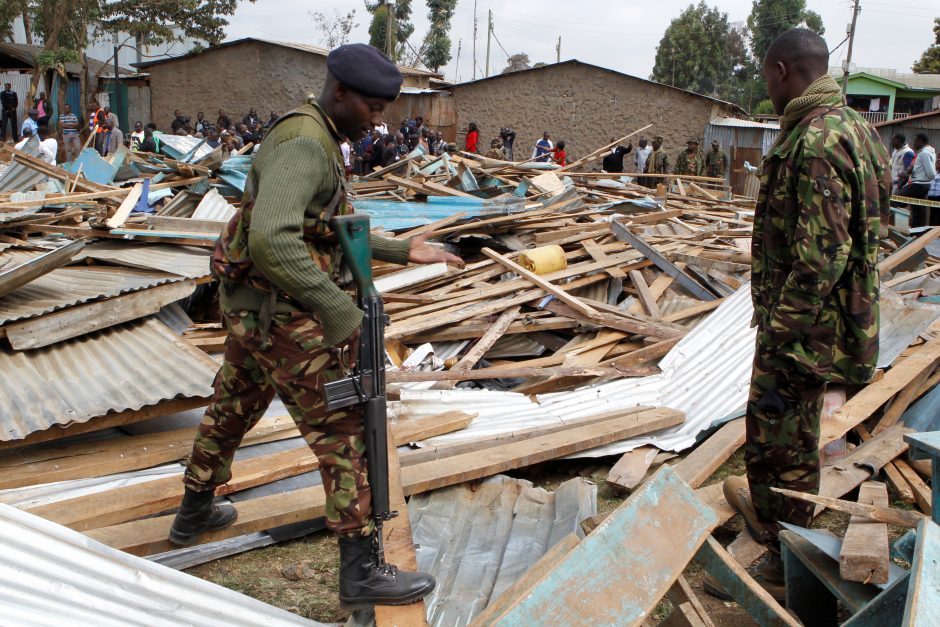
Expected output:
(290, 326)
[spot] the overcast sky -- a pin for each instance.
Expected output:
(618, 34)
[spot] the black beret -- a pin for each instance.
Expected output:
(366, 70)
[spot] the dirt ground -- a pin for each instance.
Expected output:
(258, 573)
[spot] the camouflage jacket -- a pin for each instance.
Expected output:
(716, 164)
(657, 162)
(691, 163)
(814, 279)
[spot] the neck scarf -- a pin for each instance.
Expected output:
(824, 90)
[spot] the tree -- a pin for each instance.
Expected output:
(10, 10)
(701, 52)
(334, 31)
(770, 18)
(517, 62)
(401, 27)
(929, 62)
(436, 46)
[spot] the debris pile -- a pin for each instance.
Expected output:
(595, 317)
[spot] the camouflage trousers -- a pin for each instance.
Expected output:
(782, 445)
(291, 362)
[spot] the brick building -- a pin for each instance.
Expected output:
(584, 105)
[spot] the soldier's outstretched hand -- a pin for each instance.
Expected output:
(423, 252)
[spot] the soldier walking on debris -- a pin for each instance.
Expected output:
(292, 328)
(825, 185)
(716, 161)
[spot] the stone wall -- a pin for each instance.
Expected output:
(583, 105)
(235, 78)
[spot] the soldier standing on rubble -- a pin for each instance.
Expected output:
(690, 161)
(825, 186)
(716, 161)
(291, 327)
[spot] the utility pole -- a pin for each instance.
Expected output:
(457, 64)
(389, 47)
(474, 39)
(117, 78)
(489, 35)
(558, 51)
(848, 55)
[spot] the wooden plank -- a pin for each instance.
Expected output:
(124, 210)
(572, 301)
(922, 494)
(482, 345)
(108, 421)
(699, 465)
(901, 486)
(644, 295)
(619, 572)
(597, 254)
(694, 310)
(681, 593)
(75, 321)
(889, 515)
(97, 459)
(865, 553)
(433, 226)
(148, 536)
(539, 569)
(742, 587)
(643, 355)
(922, 606)
(169, 223)
(503, 372)
(136, 501)
(864, 404)
(906, 252)
(399, 549)
(474, 330)
(902, 401)
(630, 325)
(630, 469)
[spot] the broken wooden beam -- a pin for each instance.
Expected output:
(865, 553)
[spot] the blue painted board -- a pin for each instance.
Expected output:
(618, 574)
(94, 167)
(923, 593)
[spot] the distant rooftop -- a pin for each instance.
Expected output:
(27, 54)
(929, 82)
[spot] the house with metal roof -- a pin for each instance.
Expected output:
(882, 94)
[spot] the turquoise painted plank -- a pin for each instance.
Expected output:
(734, 579)
(165, 234)
(618, 574)
(94, 168)
(928, 445)
(923, 595)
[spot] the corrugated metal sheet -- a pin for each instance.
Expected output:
(185, 261)
(51, 575)
(181, 145)
(214, 207)
(67, 287)
(123, 367)
(902, 319)
(738, 123)
(392, 215)
(478, 541)
(19, 178)
(25, 268)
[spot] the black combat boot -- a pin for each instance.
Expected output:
(197, 514)
(363, 582)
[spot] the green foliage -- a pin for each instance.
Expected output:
(9, 11)
(335, 30)
(401, 30)
(764, 107)
(770, 18)
(517, 62)
(436, 47)
(701, 52)
(167, 20)
(929, 62)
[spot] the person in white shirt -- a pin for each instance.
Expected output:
(901, 158)
(641, 155)
(346, 149)
(48, 146)
(382, 128)
(26, 136)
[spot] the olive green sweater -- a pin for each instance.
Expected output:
(296, 180)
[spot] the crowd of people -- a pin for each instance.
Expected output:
(384, 147)
(914, 174)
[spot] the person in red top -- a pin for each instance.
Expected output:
(558, 154)
(473, 137)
